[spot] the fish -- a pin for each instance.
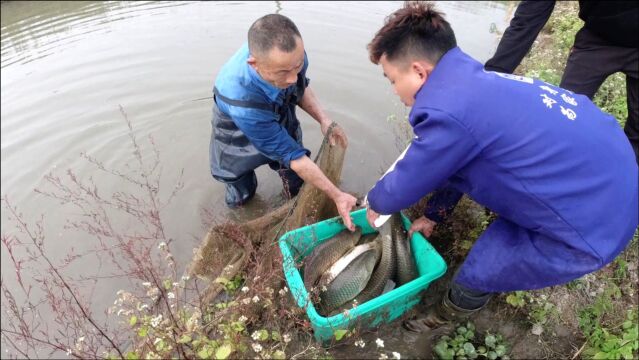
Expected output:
(340, 265)
(368, 238)
(344, 285)
(384, 270)
(406, 268)
(327, 253)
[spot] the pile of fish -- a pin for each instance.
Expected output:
(350, 268)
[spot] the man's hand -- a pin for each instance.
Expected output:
(337, 134)
(312, 174)
(371, 216)
(423, 225)
(345, 203)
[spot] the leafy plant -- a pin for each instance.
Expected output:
(463, 344)
(619, 341)
(516, 299)
(231, 285)
(538, 308)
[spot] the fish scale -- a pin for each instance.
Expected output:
(340, 265)
(406, 268)
(349, 282)
(327, 253)
(384, 270)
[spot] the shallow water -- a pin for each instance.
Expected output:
(67, 67)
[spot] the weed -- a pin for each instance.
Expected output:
(609, 341)
(465, 344)
(539, 310)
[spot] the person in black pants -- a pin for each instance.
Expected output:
(607, 43)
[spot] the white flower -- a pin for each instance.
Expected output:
(81, 339)
(185, 278)
(146, 284)
(175, 284)
(396, 355)
(255, 335)
(170, 295)
(379, 342)
(286, 338)
(156, 320)
(242, 318)
(246, 301)
(245, 289)
(68, 351)
(255, 299)
(153, 292)
(360, 343)
(256, 347)
(324, 289)
(162, 246)
(383, 356)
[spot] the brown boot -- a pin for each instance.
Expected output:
(443, 313)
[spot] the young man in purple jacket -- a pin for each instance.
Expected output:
(559, 172)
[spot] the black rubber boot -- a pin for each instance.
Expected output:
(240, 191)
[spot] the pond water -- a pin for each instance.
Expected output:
(67, 67)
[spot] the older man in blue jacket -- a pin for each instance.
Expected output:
(557, 170)
(254, 122)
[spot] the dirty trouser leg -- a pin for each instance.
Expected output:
(240, 190)
(291, 182)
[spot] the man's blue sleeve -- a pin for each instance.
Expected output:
(441, 148)
(267, 135)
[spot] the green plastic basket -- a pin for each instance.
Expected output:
(299, 243)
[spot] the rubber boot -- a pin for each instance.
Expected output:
(445, 312)
(438, 321)
(240, 191)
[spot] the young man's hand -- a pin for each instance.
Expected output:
(371, 216)
(423, 225)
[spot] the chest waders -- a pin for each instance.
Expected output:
(234, 158)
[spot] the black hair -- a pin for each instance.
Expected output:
(272, 30)
(416, 30)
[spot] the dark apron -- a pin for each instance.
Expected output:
(234, 158)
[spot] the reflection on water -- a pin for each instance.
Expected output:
(66, 68)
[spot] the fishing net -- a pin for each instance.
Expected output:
(227, 248)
